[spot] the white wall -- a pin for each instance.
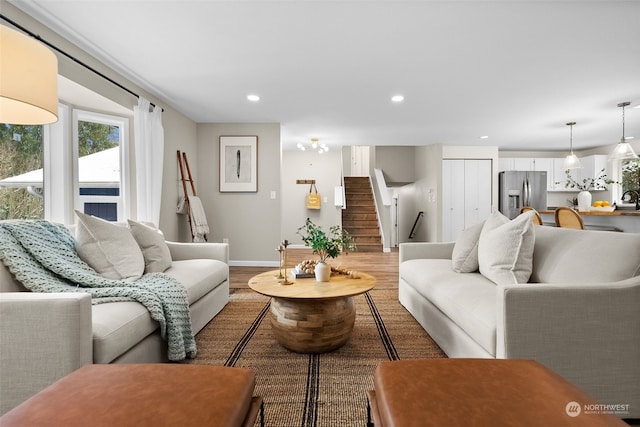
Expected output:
(326, 169)
(414, 197)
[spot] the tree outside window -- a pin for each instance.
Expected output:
(20, 152)
(631, 176)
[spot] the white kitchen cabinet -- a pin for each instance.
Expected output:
(591, 167)
(554, 167)
(545, 164)
(466, 195)
(559, 175)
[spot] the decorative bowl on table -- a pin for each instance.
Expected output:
(602, 208)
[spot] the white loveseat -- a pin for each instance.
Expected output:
(579, 314)
(45, 336)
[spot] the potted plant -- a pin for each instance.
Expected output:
(325, 245)
(600, 182)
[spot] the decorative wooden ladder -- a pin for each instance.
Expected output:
(182, 158)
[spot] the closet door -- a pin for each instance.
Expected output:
(453, 199)
(477, 191)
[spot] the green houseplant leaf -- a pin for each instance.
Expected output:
(326, 245)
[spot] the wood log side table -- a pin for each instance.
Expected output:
(310, 316)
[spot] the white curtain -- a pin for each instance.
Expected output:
(149, 155)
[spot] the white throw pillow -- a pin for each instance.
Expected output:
(155, 251)
(108, 248)
(465, 251)
(505, 249)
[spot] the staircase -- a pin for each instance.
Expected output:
(360, 218)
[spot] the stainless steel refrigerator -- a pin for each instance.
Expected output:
(522, 188)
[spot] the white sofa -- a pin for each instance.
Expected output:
(579, 314)
(45, 336)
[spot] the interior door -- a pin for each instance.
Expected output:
(453, 199)
(477, 191)
(359, 160)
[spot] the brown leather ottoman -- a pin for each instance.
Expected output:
(143, 395)
(477, 392)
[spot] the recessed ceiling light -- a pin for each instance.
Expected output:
(484, 137)
(253, 98)
(628, 137)
(397, 98)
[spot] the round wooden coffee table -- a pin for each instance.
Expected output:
(309, 316)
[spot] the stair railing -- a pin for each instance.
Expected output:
(415, 225)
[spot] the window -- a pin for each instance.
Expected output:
(48, 171)
(21, 171)
(99, 143)
(630, 178)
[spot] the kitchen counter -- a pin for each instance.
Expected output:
(618, 220)
(617, 212)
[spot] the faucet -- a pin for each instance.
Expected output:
(630, 192)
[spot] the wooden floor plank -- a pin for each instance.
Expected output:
(382, 265)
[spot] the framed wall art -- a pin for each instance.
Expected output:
(238, 164)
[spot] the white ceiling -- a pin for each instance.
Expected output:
(516, 71)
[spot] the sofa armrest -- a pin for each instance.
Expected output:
(588, 333)
(181, 251)
(44, 337)
(425, 250)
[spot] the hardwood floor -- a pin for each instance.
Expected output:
(382, 265)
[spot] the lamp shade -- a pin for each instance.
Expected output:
(572, 162)
(28, 80)
(623, 151)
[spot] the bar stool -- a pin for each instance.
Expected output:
(568, 218)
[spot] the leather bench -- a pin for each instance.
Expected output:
(479, 392)
(143, 395)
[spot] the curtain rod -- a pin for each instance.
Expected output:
(71, 57)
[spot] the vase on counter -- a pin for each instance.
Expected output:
(584, 201)
(322, 271)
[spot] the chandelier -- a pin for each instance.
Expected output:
(315, 146)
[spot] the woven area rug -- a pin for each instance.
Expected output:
(313, 389)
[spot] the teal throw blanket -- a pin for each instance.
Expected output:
(43, 258)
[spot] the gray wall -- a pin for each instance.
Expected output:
(251, 221)
(397, 163)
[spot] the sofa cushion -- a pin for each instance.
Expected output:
(469, 300)
(118, 326)
(505, 250)
(564, 255)
(465, 251)
(108, 248)
(155, 251)
(198, 276)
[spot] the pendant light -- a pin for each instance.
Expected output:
(623, 149)
(29, 83)
(571, 161)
